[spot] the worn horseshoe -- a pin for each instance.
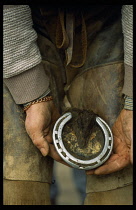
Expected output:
(70, 159)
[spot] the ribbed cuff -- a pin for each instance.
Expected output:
(46, 93)
(28, 85)
(128, 81)
(128, 103)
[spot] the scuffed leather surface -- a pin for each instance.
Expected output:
(26, 193)
(120, 196)
(22, 160)
(104, 47)
(99, 89)
(54, 68)
(97, 86)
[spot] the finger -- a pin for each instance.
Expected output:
(38, 140)
(111, 159)
(111, 167)
(90, 172)
(53, 153)
(42, 145)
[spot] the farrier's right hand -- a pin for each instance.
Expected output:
(39, 122)
(40, 119)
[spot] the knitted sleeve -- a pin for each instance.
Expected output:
(23, 71)
(127, 26)
(20, 49)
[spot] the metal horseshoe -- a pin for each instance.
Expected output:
(75, 162)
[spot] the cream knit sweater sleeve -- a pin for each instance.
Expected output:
(20, 50)
(22, 68)
(127, 27)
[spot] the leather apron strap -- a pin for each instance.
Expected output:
(67, 38)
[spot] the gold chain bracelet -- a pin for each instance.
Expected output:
(46, 98)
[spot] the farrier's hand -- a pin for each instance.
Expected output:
(122, 147)
(40, 119)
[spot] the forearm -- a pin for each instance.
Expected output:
(23, 71)
(29, 85)
(127, 27)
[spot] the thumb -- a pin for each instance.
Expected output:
(40, 142)
(42, 145)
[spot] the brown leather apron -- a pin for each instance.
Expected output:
(27, 174)
(94, 84)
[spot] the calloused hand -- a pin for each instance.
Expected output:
(40, 119)
(122, 154)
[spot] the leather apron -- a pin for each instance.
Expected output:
(27, 174)
(94, 82)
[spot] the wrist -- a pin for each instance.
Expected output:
(46, 93)
(43, 98)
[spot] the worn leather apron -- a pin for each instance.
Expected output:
(91, 78)
(27, 174)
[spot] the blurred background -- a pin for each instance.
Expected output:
(68, 185)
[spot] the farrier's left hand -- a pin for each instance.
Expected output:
(122, 154)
